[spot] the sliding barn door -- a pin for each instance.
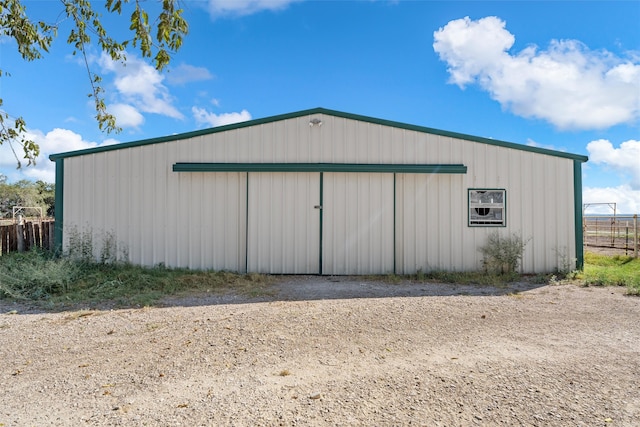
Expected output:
(358, 232)
(283, 223)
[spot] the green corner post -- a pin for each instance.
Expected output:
(577, 194)
(59, 195)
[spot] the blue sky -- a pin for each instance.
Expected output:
(560, 75)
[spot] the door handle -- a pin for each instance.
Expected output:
(317, 207)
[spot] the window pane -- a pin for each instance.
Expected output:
(486, 207)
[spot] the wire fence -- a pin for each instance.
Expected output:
(619, 233)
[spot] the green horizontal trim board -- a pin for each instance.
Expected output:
(325, 111)
(316, 167)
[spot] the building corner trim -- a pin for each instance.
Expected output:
(59, 206)
(577, 197)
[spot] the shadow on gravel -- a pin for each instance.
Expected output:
(294, 288)
(311, 288)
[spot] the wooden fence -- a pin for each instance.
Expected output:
(27, 235)
(619, 233)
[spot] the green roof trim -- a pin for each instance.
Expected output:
(317, 167)
(325, 111)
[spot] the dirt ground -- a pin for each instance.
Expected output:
(607, 250)
(326, 351)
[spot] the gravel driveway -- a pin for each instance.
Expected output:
(331, 351)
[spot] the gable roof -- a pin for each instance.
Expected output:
(325, 111)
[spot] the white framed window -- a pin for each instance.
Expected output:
(487, 207)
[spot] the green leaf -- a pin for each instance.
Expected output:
(34, 38)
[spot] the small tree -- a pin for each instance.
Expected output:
(25, 193)
(502, 255)
(156, 39)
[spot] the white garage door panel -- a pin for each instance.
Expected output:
(357, 235)
(283, 227)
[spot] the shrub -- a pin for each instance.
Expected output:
(502, 255)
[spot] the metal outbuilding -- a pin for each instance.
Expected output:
(321, 192)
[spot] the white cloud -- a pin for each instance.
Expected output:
(568, 85)
(71, 119)
(471, 47)
(109, 141)
(627, 200)
(245, 7)
(185, 73)
(202, 116)
(126, 115)
(56, 141)
(532, 143)
(140, 85)
(625, 160)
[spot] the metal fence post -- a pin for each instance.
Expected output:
(635, 236)
(20, 235)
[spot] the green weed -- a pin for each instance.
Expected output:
(602, 270)
(37, 276)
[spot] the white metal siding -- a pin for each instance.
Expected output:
(150, 213)
(284, 225)
(198, 220)
(357, 223)
(430, 221)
